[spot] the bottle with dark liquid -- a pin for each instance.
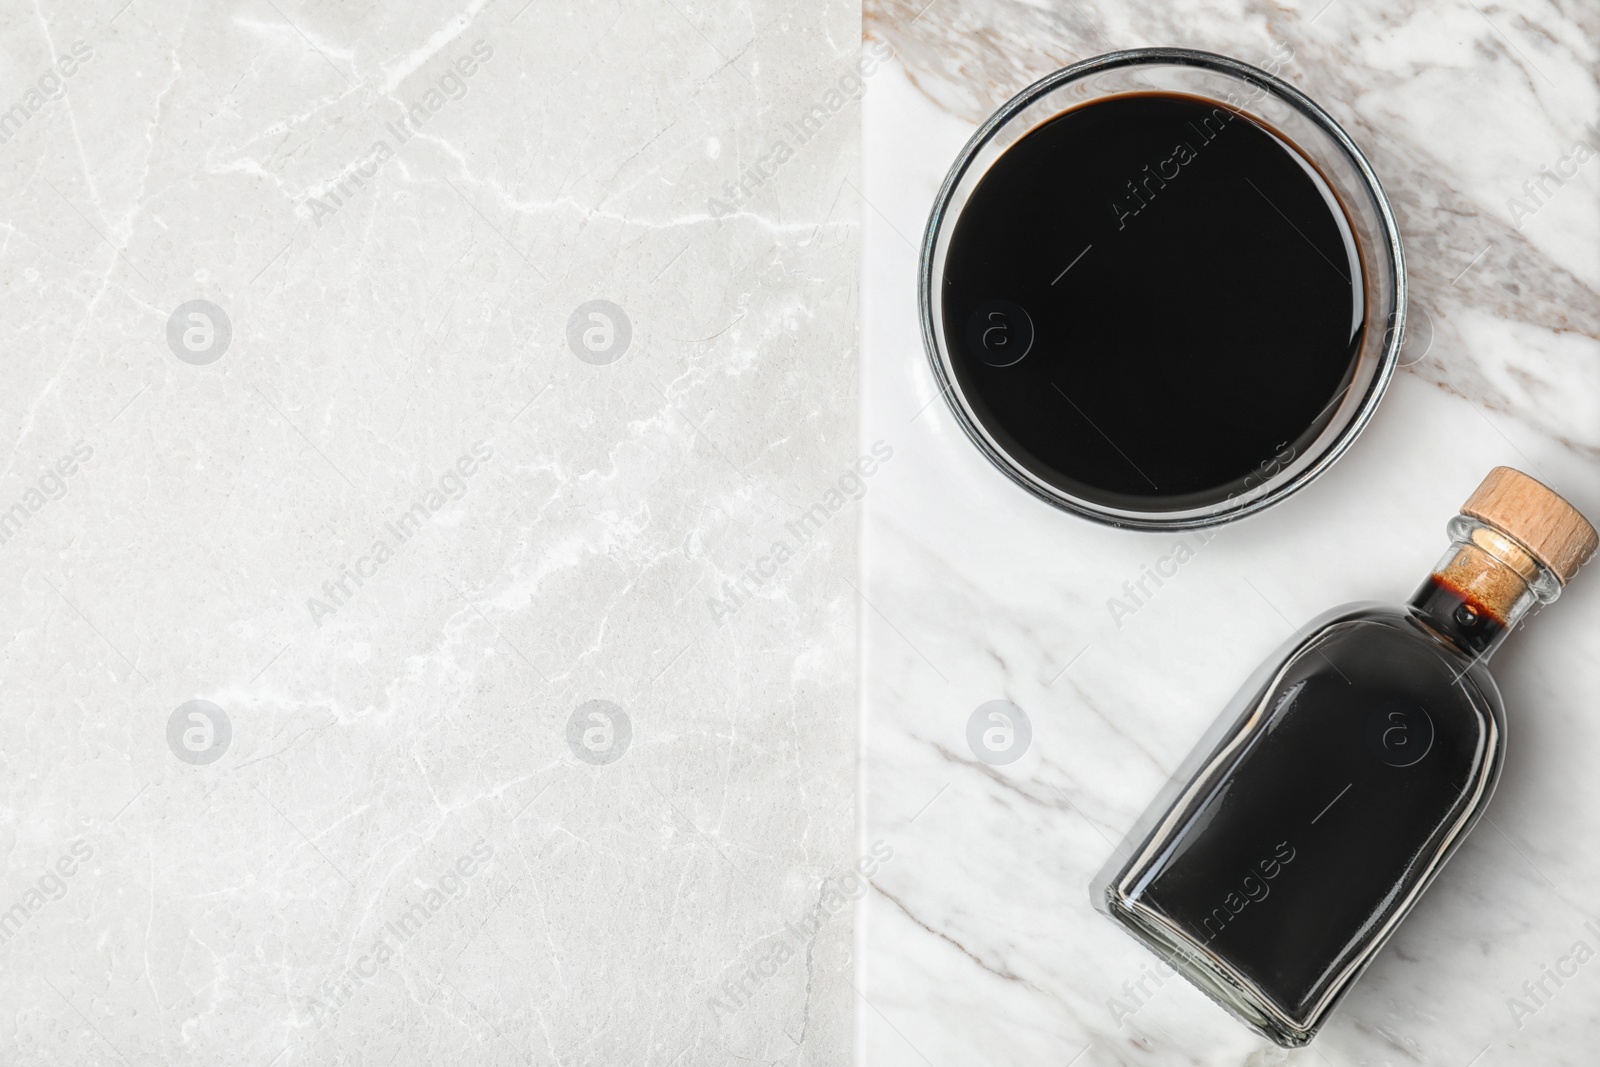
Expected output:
(1343, 776)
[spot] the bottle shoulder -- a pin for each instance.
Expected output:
(1385, 636)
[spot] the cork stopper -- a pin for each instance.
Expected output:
(1551, 530)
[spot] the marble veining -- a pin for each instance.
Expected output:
(389, 411)
(980, 944)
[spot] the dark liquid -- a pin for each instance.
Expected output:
(1186, 292)
(1461, 618)
(1312, 841)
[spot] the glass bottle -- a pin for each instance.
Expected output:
(1344, 774)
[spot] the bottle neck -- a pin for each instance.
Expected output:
(1485, 584)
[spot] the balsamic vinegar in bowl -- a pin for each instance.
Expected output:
(1162, 289)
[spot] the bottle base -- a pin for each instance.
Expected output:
(1211, 975)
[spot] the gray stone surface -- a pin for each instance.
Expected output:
(396, 651)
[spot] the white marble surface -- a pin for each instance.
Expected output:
(399, 294)
(980, 944)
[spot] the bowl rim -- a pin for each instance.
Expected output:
(940, 216)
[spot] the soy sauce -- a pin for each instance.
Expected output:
(1153, 302)
(1374, 749)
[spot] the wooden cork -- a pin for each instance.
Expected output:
(1491, 574)
(1551, 530)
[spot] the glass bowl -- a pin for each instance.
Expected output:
(1283, 111)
